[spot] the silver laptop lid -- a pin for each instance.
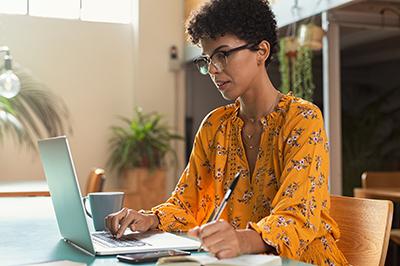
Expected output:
(65, 193)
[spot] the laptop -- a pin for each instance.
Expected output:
(71, 218)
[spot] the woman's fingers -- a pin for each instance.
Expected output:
(107, 223)
(226, 253)
(118, 222)
(213, 241)
(223, 248)
(220, 238)
(194, 232)
(112, 220)
(214, 227)
(130, 217)
(141, 224)
(204, 230)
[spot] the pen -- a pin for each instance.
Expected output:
(227, 195)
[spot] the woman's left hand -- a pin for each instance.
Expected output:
(219, 238)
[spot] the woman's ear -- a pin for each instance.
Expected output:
(263, 51)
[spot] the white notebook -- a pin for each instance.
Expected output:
(208, 260)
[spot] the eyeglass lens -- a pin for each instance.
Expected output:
(218, 60)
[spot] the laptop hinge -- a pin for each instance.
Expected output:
(78, 247)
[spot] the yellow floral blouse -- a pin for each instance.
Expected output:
(286, 200)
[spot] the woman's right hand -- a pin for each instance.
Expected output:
(117, 222)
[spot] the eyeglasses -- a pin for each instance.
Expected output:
(218, 59)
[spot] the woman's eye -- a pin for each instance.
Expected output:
(219, 56)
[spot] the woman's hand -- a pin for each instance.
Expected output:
(219, 238)
(117, 222)
(222, 240)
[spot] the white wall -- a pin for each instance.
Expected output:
(89, 65)
(161, 25)
(101, 70)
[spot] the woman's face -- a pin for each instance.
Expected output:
(241, 69)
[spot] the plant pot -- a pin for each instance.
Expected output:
(144, 188)
(310, 35)
(291, 45)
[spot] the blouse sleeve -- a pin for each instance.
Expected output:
(296, 209)
(185, 209)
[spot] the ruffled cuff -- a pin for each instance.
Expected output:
(265, 238)
(172, 220)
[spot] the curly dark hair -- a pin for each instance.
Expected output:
(249, 20)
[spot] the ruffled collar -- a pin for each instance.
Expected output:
(265, 120)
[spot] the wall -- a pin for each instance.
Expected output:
(159, 26)
(89, 65)
(101, 70)
(370, 111)
(202, 96)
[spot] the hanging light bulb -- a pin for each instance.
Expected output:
(9, 82)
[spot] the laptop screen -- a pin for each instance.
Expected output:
(65, 193)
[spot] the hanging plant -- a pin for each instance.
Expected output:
(287, 52)
(310, 35)
(295, 61)
(303, 85)
(283, 67)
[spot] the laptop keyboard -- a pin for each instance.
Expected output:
(108, 240)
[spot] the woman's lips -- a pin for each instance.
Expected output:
(222, 85)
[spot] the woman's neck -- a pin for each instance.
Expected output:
(259, 100)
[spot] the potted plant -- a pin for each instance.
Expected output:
(295, 60)
(138, 153)
(310, 35)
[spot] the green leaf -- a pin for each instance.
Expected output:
(143, 143)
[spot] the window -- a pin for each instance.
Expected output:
(19, 7)
(55, 8)
(107, 10)
(116, 11)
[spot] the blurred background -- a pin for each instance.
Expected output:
(100, 60)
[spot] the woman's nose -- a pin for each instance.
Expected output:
(213, 69)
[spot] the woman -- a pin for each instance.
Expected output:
(278, 142)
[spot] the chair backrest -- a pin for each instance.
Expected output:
(380, 179)
(95, 182)
(365, 228)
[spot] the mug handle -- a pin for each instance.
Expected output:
(84, 206)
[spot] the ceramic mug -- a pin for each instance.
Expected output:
(101, 205)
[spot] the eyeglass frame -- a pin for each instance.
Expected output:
(226, 54)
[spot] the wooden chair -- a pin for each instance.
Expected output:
(95, 182)
(381, 180)
(365, 228)
(395, 236)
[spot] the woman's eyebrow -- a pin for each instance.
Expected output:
(216, 49)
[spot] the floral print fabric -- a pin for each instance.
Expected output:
(286, 200)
